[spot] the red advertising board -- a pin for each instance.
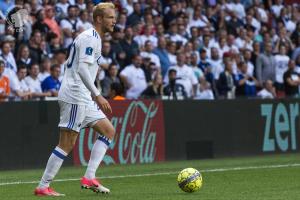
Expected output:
(140, 134)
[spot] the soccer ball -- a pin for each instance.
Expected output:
(189, 180)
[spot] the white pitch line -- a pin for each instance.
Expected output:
(165, 173)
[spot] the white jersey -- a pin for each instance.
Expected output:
(85, 48)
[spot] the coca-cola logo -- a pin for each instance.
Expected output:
(139, 135)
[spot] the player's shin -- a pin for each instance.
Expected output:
(53, 165)
(97, 155)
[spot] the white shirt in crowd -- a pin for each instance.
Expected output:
(216, 67)
(186, 77)
(250, 68)
(33, 84)
(9, 61)
(263, 15)
(200, 23)
(205, 95)
(281, 63)
(141, 40)
(222, 50)
(17, 85)
(136, 80)
(276, 9)
(243, 44)
(106, 61)
(154, 58)
(66, 24)
(239, 9)
(10, 74)
(43, 75)
(85, 25)
(172, 58)
(63, 7)
(265, 94)
(86, 48)
(177, 38)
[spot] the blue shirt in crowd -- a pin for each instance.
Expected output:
(164, 60)
(50, 84)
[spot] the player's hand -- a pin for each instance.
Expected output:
(103, 103)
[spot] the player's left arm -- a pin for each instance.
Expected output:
(86, 60)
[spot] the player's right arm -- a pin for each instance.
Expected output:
(86, 60)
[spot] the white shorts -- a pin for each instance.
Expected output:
(75, 117)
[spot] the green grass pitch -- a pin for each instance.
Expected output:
(275, 177)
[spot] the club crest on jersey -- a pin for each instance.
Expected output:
(89, 51)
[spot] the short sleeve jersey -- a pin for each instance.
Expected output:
(86, 48)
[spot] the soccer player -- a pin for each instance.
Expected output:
(80, 103)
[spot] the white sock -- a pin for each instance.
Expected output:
(97, 155)
(53, 165)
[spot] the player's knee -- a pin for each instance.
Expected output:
(111, 133)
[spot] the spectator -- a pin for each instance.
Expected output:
(133, 77)
(154, 90)
(34, 46)
(45, 69)
(34, 83)
(185, 75)
(248, 61)
(23, 57)
(109, 79)
(116, 91)
(105, 60)
(291, 80)
(204, 62)
(246, 84)
(50, 21)
(171, 49)
(150, 70)
(52, 83)
(70, 25)
(265, 65)
(296, 51)
(148, 53)
(226, 82)
(162, 54)
(40, 23)
(129, 46)
(171, 15)
(216, 63)
(268, 91)
(281, 63)
(174, 36)
(148, 35)
(81, 4)
(60, 59)
(19, 89)
(194, 65)
(118, 54)
(122, 21)
(7, 56)
(62, 8)
(84, 17)
(234, 24)
(276, 8)
(199, 20)
(204, 91)
(174, 90)
(136, 16)
(4, 83)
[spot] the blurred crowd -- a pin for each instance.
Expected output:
(166, 49)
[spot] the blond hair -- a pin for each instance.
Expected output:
(98, 10)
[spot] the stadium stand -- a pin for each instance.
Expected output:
(219, 48)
